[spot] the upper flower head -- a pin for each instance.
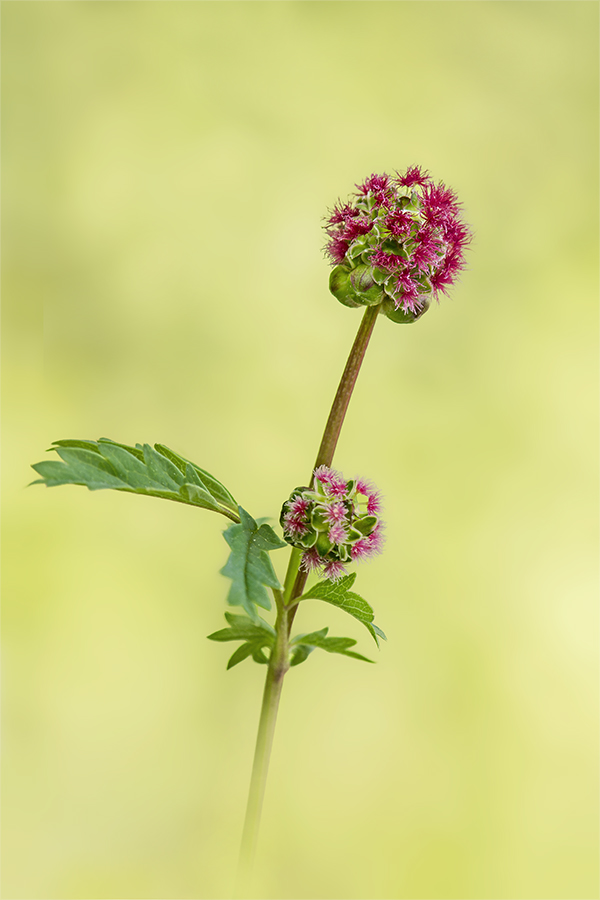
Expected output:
(397, 242)
(335, 522)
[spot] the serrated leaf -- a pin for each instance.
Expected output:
(153, 471)
(300, 654)
(253, 649)
(208, 481)
(338, 593)
(249, 565)
(243, 628)
(137, 451)
(239, 655)
(162, 469)
(319, 639)
(255, 633)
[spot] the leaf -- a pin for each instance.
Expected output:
(242, 628)
(253, 649)
(256, 634)
(300, 654)
(338, 593)
(204, 478)
(249, 565)
(330, 644)
(154, 471)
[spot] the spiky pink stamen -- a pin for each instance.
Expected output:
(334, 570)
(311, 561)
(337, 534)
(439, 203)
(337, 248)
(298, 506)
(399, 223)
(294, 526)
(374, 184)
(338, 489)
(356, 227)
(413, 175)
(364, 487)
(324, 474)
(374, 504)
(335, 512)
(388, 261)
(342, 212)
(376, 540)
(360, 550)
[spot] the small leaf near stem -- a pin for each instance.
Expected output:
(249, 565)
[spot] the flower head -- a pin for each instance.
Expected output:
(396, 243)
(335, 522)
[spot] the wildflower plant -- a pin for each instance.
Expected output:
(396, 244)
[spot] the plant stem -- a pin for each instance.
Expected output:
(335, 421)
(346, 386)
(278, 666)
(294, 585)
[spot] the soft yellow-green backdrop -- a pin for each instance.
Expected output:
(166, 169)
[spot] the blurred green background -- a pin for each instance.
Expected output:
(167, 166)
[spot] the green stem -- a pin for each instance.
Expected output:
(334, 424)
(346, 386)
(293, 588)
(278, 666)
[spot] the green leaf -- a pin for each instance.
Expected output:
(256, 634)
(253, 649)
(239, 655)
(154, 471)
(330, 644)
(204, 478)
(249, 565)
(242, 628)
(338, 593)
(300, 654)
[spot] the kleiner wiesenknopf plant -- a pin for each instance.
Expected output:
(395, 245)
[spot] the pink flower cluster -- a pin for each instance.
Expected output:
(398, 242)
(335, 522)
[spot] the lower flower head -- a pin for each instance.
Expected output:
(334, 522)
(397, 243)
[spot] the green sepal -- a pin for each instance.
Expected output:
(323, 544)
(367, 290)
(338, 593)
(318, 521)
(308, 540)
(380, 276)
(155, 472)
(366, 524)
(356, 247)
(341, 287)
(249, 565)
(400, 316)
